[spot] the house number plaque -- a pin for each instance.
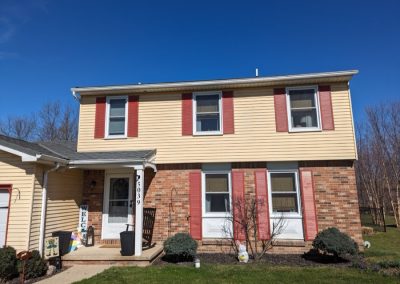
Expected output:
(138, 189)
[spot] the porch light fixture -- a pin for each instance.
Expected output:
(89, 242)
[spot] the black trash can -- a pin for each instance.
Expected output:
(64, 239)
(127, 243)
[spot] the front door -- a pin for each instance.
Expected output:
(117, 211)
(4, 200)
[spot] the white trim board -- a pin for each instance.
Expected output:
(335, 76)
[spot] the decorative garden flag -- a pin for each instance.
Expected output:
(51, 247)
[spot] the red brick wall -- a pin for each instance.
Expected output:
(336, 196)
(168, 191)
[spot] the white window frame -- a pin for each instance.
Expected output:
(208, 93)
(289, 112)
(203, 194)
(297, 184)
(108, 99)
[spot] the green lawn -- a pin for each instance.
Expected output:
(237, 274)
(384, 246)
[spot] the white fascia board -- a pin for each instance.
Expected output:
(96, 162)
(24, 156)
(244, 82)
(51, 159)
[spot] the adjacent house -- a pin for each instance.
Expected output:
(190, 149)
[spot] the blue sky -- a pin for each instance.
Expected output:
(47, 47)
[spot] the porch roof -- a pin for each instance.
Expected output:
(69, 151)
(65, 152)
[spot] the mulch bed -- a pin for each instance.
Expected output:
(269, 259)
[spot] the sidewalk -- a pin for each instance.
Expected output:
(75, 273)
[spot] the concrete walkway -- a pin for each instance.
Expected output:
(75, 273)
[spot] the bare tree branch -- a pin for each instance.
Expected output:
(245, 221)
(21, 127)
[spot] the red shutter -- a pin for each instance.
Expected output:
(187, 117)
(309, 209)
(133, 116)
(325, 102)
(100, 119)
(195, 205)
(238, 205)
(263, 221)
(281, 118)
(228, 116)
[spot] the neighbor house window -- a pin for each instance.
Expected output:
(207, 113)
(216, 192)
(116, 116)
(303, 108)
(284, 192)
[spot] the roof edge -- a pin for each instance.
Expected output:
(24, 156)
(248, 82)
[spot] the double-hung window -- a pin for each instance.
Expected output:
(116, 120)
(284, 190)
(217, 191)
(303, 109)
(207, 118)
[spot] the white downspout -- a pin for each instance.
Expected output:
(44, 207)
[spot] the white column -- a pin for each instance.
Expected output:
(139, 211)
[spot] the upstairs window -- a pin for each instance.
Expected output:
(303, 109)
(207, 113)
(284, 192)
(116, 121)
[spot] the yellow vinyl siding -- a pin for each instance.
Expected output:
(36, 209)
(21, 176)
(64, 196)
(255, 137)
(64, 199)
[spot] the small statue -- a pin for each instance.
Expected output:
(243, 256)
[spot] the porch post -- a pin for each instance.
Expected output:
(139, 210)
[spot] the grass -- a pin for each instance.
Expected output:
(384, 246)
(237, 274)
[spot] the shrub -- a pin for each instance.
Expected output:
(334, 242)
(180, 247)
(8, 263)
(35, 266)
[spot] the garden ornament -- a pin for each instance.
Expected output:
(243, 256)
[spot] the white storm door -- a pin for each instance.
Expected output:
(4, 198)
(117, 211)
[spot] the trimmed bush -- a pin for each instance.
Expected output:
(35, 267)
(8, 263)
(334, 242)
(180, 247)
